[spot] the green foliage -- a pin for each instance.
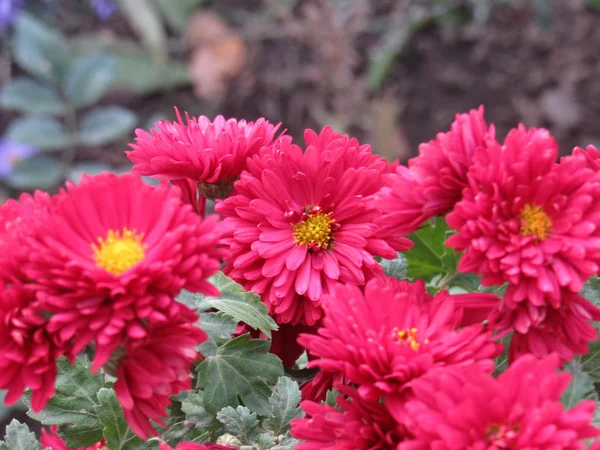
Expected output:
(429, 256)
(74, 406)
(40, 171)
(43, 132)
(581, 386)
(177, 13)
(284, 406)
(240, 305)
(19, 437)
(594, 4)
(27, 95)
(39, 49)
(239, 422)
(116, 432)
(147, 23)
(218, 326)
(106, 124)
(89, 78)
(195, 412)
(395, 268)
(242, 370)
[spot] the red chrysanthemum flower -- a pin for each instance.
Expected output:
(212, 154)
(531, 222)
(316, 389)
(592, 156)
(303, 221)
(383, 339)
(28, 352)
(156, 367)
(113, 254)
(51, 440)
(456, 409)
(357, 425)
(565, 330)
(434, 181)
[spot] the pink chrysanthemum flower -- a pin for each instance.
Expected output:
(28, 352)
(458, 409)
(303, 221)
(156, 367)
(212, 154)
(194, 446)
(529, 221)
(113, 254)
(357, 425)
(51, 440)
(566, 330)
(434, 180)
(383, 339)
(592, 156)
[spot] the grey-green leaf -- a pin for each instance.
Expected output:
(116, 432)
(73, 407)
(106, 124)
(19, 437)
(239, 422)
(581, 387)
(395, 268)
(29, 96)
(284, 406)
(36, 172)
(89, 78)
(591, 290)
(44, 133)
(218, 327)
(235, 302)
(40, 50)
(87, 168)
(241, 369)
(193, 407)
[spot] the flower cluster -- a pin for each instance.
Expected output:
(100, 264)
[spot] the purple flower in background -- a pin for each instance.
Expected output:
(103, 8)
(11, 153)
(9, 9)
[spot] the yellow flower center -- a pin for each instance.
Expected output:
(409, 337)
(535, 222)
(314, 230)
(502, 436)
(119, 251)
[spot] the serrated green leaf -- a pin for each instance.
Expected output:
(581, 387)
(218, 327)
(36, 172)
(29, 96)
(242, 306)
(88, 79)
(19, 437)
(284, 406)
(179, 430)
(116, 432)
(429, 256)
(330, 398)
(591, 361)
(395, 268)
(266, 441)
(591, 290)
(239, 422)
(106, 124)
(241, 369)
(44, 133)
(73, 407)
(193, 407)
(40, 50)
(287, 443)
(501, 362)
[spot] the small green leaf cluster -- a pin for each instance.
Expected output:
(57, 99)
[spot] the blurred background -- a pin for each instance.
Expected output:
(78, 76)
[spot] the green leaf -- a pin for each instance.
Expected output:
(242, 306)
(287, 443)
(284, 406)
(429, 256)
(73, 407)
(591, 290)
(19, 437)
(581, 387)
(195, 412)
(239, 422)
(241, 369)
(40, 50)
(395, 268)
(29, 96)
(42, 132)
(218, 327)
(178, 13)
(116, 432)
(89, 78)
(594, 4)
(39, 171)
(87, 168)
(106, 124)
(146, 22)
(591, 361)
